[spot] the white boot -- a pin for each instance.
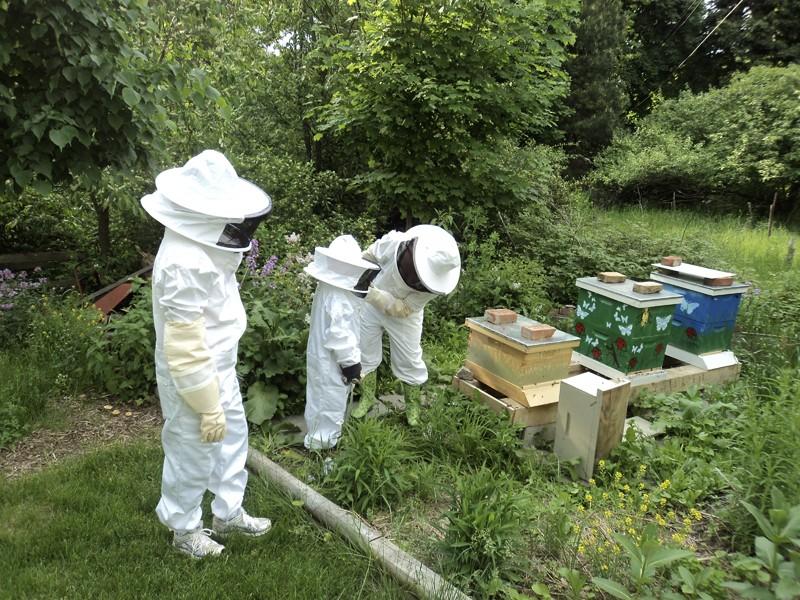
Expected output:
(197, 543)
(241, 523)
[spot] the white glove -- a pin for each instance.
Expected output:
(205, 402)
(387, 303)
(212, 426)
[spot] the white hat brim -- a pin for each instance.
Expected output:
(329, 278)
(432, 237)
(239, 199)
(355, 261)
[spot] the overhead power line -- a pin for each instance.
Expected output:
(730, 12)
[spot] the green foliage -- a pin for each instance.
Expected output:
(765, 452)
(20, 293)
(75, 95)
(466, 433)
(741, 140)
(596, 101)
(483, 536)
(571, 244)
(431, 92)
(121, 360)
(645, 554)
(44, 364)
(774, 572)
(373, 467)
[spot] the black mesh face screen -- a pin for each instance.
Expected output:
(405, 264)
(364, 281)
(238, 235)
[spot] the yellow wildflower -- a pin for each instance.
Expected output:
(588, 497)
(617, 475)
(664, 484)
(601, 464)
(696, 515)
(592, 482)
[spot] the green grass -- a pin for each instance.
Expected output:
(748, 249)
(87, 529)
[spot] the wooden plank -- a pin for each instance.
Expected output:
(679, 379)
(529, 395)
(28, 260)
(517, 413)
(613, 410)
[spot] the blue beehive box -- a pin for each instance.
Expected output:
(703, 323)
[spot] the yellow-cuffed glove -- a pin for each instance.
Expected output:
(387, 303)
(195, 377)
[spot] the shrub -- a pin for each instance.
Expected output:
(483, 537)
(373, 467)
(122, 359)
(46, 364)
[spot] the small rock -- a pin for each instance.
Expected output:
(108, 407)
(115, 412)
(129, 414)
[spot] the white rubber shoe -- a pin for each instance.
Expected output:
(243, 524)
(197, 543)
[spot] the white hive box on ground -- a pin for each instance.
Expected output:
(591, 419)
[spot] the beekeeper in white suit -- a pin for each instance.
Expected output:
(333, 354)
(210, 215)
(416, 266)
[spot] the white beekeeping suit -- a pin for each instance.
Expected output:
(333, 355)
(209, 214)
(416, 266)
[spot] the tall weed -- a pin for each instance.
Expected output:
(373, 467)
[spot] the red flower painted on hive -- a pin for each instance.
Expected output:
(691, 332)
(596, 352)
(632, 363)
(620, 344)
(659, 348)
(579, 328)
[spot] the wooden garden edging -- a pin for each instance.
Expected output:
(425, 582)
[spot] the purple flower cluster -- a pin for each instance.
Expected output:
(14, 284)
(252, 257)
(269, 266)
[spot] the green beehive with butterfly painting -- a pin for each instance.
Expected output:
(623, 324)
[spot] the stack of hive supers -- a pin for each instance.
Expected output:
(623, 324)
(704, 320)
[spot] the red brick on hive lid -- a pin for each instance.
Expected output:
(647, 287)
(540, 331)
(500, 316)
(671, 261)
(718, 281)
(611, 277)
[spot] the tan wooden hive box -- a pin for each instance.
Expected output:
(525, 370)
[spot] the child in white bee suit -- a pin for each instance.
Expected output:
(333, 355)
(209, 215)
(416, 267)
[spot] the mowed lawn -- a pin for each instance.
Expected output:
(86, 528)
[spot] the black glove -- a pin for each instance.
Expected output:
(351, 374)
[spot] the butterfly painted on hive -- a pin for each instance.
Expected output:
(625, 330)
(688, 307)
(662, 322)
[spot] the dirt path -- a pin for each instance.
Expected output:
(84, 424)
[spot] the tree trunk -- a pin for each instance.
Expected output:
(103, 227)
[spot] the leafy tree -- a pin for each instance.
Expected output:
(597, 99)
(757, 32)
(663, 33)
(77, 97)
(437, 93)
(741, 141)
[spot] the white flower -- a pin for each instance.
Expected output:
(307, 319)
(515, 285)
(292, 238)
